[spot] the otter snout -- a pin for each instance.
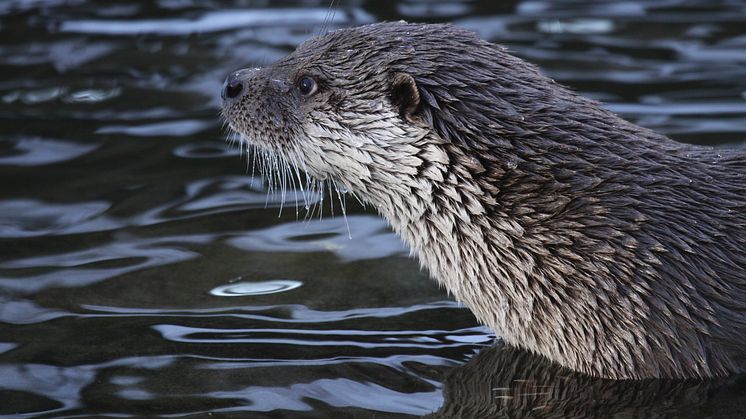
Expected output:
(232, 87)
(236, 84)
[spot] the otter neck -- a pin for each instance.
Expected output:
(454, 227)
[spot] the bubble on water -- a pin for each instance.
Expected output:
(245, 288)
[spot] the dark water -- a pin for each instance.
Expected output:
(144, 271)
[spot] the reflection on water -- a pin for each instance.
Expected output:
(505, 382)
(243, 288)
(126, 221)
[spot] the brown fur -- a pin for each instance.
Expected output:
(597, 243)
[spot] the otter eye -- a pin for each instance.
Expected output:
(307, 86)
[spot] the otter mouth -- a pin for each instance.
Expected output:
(282, 172)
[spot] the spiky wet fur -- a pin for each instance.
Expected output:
(604, 246)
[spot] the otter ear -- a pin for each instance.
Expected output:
(404, 94)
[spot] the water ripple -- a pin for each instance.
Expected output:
(28, 218)
(34, 151)
(209, 22)
(246, 288)
(371, 238)
(125, 221)
(167, 128)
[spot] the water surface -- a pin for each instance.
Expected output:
(145, 271)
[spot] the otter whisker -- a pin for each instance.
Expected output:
(285, 169)
(309, 186)
(281, 175)
(290, 168)
(232, 139)
(267, 171)
(276, 176)
(300, 185)
(272, 170)
(322, 183)
(330, 13)
(274, 173)
(314, 204)
(253, 152)
(331, 201)
(308, 204)
(334, 12)
(357, 198)
(342, 204)
(311, 206)
(259, 163)
(317, 188)
(305, 171)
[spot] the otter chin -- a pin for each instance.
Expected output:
(605, 247)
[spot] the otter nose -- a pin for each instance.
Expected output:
(232, 87)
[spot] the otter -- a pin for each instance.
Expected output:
(574, 234)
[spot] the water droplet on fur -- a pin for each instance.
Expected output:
(511, 164)
(342, 189)
(376, 105)
(280, 85)
(307, 207)
(408, 48)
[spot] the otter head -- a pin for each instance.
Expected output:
(352, 106)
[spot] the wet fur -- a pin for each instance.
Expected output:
(599, 244)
